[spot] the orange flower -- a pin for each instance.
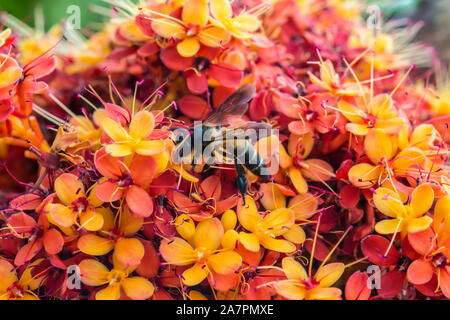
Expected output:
(77, 207)
(299, 286)
(39, 236)
(199, 248)
(192, 29)
(407, 218)
(33, 71)
(118, 280)
(434, 249)
(207, 203)
(129, 182)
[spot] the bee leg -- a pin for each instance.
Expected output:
(241, 181)
(205, 167)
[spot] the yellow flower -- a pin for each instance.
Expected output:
(199, 248)
(192, 29)
(388, 163)
(37, 44)
(14, 288)
(407, 218)
(243, 25)
(298, 168)
(88, 130)
(94, 273)
(135, 140)
(380, 113)
(299, 286)
(330, 81)
(264, 230)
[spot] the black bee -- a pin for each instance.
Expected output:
(216, 140)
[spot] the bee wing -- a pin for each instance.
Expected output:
(248, 130)
(234, 106)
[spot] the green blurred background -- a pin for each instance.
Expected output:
(435, 14)
(55, 9)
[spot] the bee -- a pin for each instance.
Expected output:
(222, 138)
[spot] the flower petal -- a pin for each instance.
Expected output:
(68, 188)
(195, 274)
(149, 147)
(295, 234)
(94, 245)
(108, 191)
(185, 226)
(139, 202)
(420, 271)
(221, 9)
(320, 293)
(303, 205)
(293, 269)
(129, 224)
(7, 275)
(129, 251)
(329, 274)
(422, 199)
(114, 130)
(168, 29)
(290, 290)
(378, 145)
(297, 180)
(188, 47)
(177, 251)
(111, 292)
(107, 165)
(389, 226)
(249, 241)
(364, 175)
(225, 262)
(418, 224)
(138, 288)
(53, 241)
(93, 273)
(277, 245)
(195, 12)
(213, 37)
(142, 125)
(389, 203)
(208, 234)
(278, 221)
(91, 220)
(248, 214)
(62, 215)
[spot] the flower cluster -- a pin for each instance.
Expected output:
(93, 206)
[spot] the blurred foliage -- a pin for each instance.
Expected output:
(54, 10)
(396, 7)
